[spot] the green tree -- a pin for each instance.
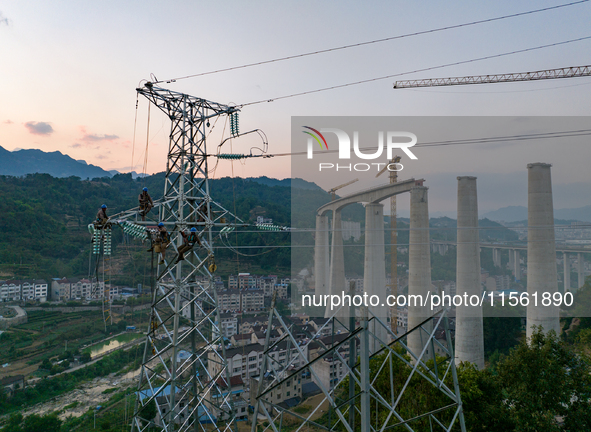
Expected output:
(482, 398)
(14, 423)
(500, 334)
(150, 410)
(584, 338)
(47, 423)
(45, 365)
(32, 423)
(544, 381)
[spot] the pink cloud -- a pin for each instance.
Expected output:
(39, 128)
(95, 137)
(93, 141)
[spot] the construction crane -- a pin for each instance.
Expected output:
(393, 245)
(567, 72)
(333, 191)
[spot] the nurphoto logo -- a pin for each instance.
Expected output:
(392, 141)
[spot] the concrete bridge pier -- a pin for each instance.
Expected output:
(581, 270)
(374, 271)
(517, 265)
(566, 267)
(337, 261)
(321, 256)
(511, 262)
(541, 248)
(419, 266)
(496, 257)
(469, 334)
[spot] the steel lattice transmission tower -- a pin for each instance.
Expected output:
(363, 392)
(184, 332)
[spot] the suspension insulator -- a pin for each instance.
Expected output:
(231, 156)
(270, 227)
(234, 130)
(96, 244)
(227, 230)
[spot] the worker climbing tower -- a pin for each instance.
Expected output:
(181, 387)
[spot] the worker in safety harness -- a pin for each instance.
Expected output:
(101, 217)
(188, 242)
(201, 211)
(146, 203)
(161, 242)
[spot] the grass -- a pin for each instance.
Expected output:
(44, 336)
(302, 409)
(72, 405)
(121, 339)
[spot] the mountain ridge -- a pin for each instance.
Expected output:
(33, 161)
(519, 213)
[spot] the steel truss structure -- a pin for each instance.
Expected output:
(184, 334)
(568, 72)
(375, 392)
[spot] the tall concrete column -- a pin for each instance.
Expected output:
(511, 261)
(496, 257)
(517, 265)
(541, 248)
(374, 271)
(321, 256)
(419, 265)
(337, 261)
(581, 269)
(469, 334)
(566, 267)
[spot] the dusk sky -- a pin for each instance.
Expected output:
(70, 70)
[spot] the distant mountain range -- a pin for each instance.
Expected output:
(519, 213)
(288, 182)
(22, 162)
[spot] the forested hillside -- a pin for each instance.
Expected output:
(43, 222)
(43, 225)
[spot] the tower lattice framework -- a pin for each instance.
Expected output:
(183, 368)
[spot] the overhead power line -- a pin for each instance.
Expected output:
(487, 140)
(418, 70)
(375, 41)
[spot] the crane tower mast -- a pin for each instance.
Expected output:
(393, 245)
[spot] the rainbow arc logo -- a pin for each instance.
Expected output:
(318, 134)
